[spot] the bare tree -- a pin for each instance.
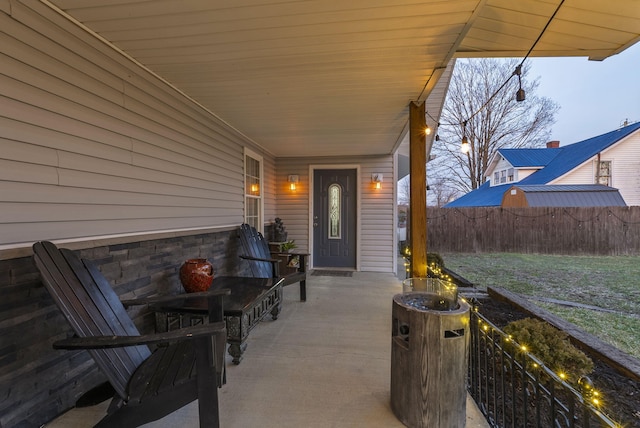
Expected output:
(404, 190)
(489, 117)
(441, 192)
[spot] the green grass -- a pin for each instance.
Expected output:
(604, 281)
(618, 330)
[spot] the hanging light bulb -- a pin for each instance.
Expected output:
(520, 93)
(427, 130)
(465, 147)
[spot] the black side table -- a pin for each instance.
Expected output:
(250, 301)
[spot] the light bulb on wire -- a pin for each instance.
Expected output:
(465, 147)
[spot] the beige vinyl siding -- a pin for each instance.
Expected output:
(93, 145)
(269, 196)
(625, 167)
(293, 207)
(377, 213)
(376, 246)
(524, 173)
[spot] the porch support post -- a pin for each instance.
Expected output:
(418, 189)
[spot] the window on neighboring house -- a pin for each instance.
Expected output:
(503, 176)
(496, 177)
(510, 176)
(603, 173)
(253, 189)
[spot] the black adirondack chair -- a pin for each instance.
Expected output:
(264, 265)
(148, 384)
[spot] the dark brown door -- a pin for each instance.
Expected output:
(334, 218)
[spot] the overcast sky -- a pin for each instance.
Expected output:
(595, 97)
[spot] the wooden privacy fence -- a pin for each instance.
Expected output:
(543, 230)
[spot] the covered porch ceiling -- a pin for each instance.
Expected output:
(335, 77)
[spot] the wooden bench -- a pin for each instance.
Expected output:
(148, 384)
(265, 264)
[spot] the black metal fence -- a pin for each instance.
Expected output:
(514, 389)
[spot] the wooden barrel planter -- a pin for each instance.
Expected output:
(429, 358)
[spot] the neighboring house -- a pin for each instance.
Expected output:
(611, 160)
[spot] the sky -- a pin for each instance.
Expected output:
(595, 97)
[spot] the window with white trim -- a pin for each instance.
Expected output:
(603, 173)
(504, 176)
(253, 189)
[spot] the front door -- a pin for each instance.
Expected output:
(334, 218)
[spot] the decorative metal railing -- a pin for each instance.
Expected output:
(514, 389)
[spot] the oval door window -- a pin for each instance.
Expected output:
(335, 211)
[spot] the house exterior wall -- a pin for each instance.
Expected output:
(499, 166)
(376, 216)
(99, 154)
(625, 165)
(94, 145)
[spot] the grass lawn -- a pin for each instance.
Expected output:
(608, 282)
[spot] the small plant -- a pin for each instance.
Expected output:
(435, 259)
(285, 247)
(551, 346)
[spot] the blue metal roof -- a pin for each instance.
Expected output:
(483, 196)
(529, 157)
(560, 161)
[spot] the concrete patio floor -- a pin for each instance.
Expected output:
(323, 363)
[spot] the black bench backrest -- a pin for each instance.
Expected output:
(92, 308)
(254, 245)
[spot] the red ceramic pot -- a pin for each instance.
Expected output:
(196, 275)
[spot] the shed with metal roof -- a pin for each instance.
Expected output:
(578, 195)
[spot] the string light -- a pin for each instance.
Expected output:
(465, 147)
(520, 93)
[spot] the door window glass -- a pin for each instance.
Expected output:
(335, 214)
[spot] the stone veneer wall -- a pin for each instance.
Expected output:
(37, 383)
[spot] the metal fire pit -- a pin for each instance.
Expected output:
(430, 346)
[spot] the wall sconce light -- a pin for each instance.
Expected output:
(293, 181)
(376, 179)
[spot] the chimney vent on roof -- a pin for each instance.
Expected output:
(553, 144)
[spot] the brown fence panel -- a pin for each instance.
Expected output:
(542, 230)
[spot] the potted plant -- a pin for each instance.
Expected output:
(286, 247)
